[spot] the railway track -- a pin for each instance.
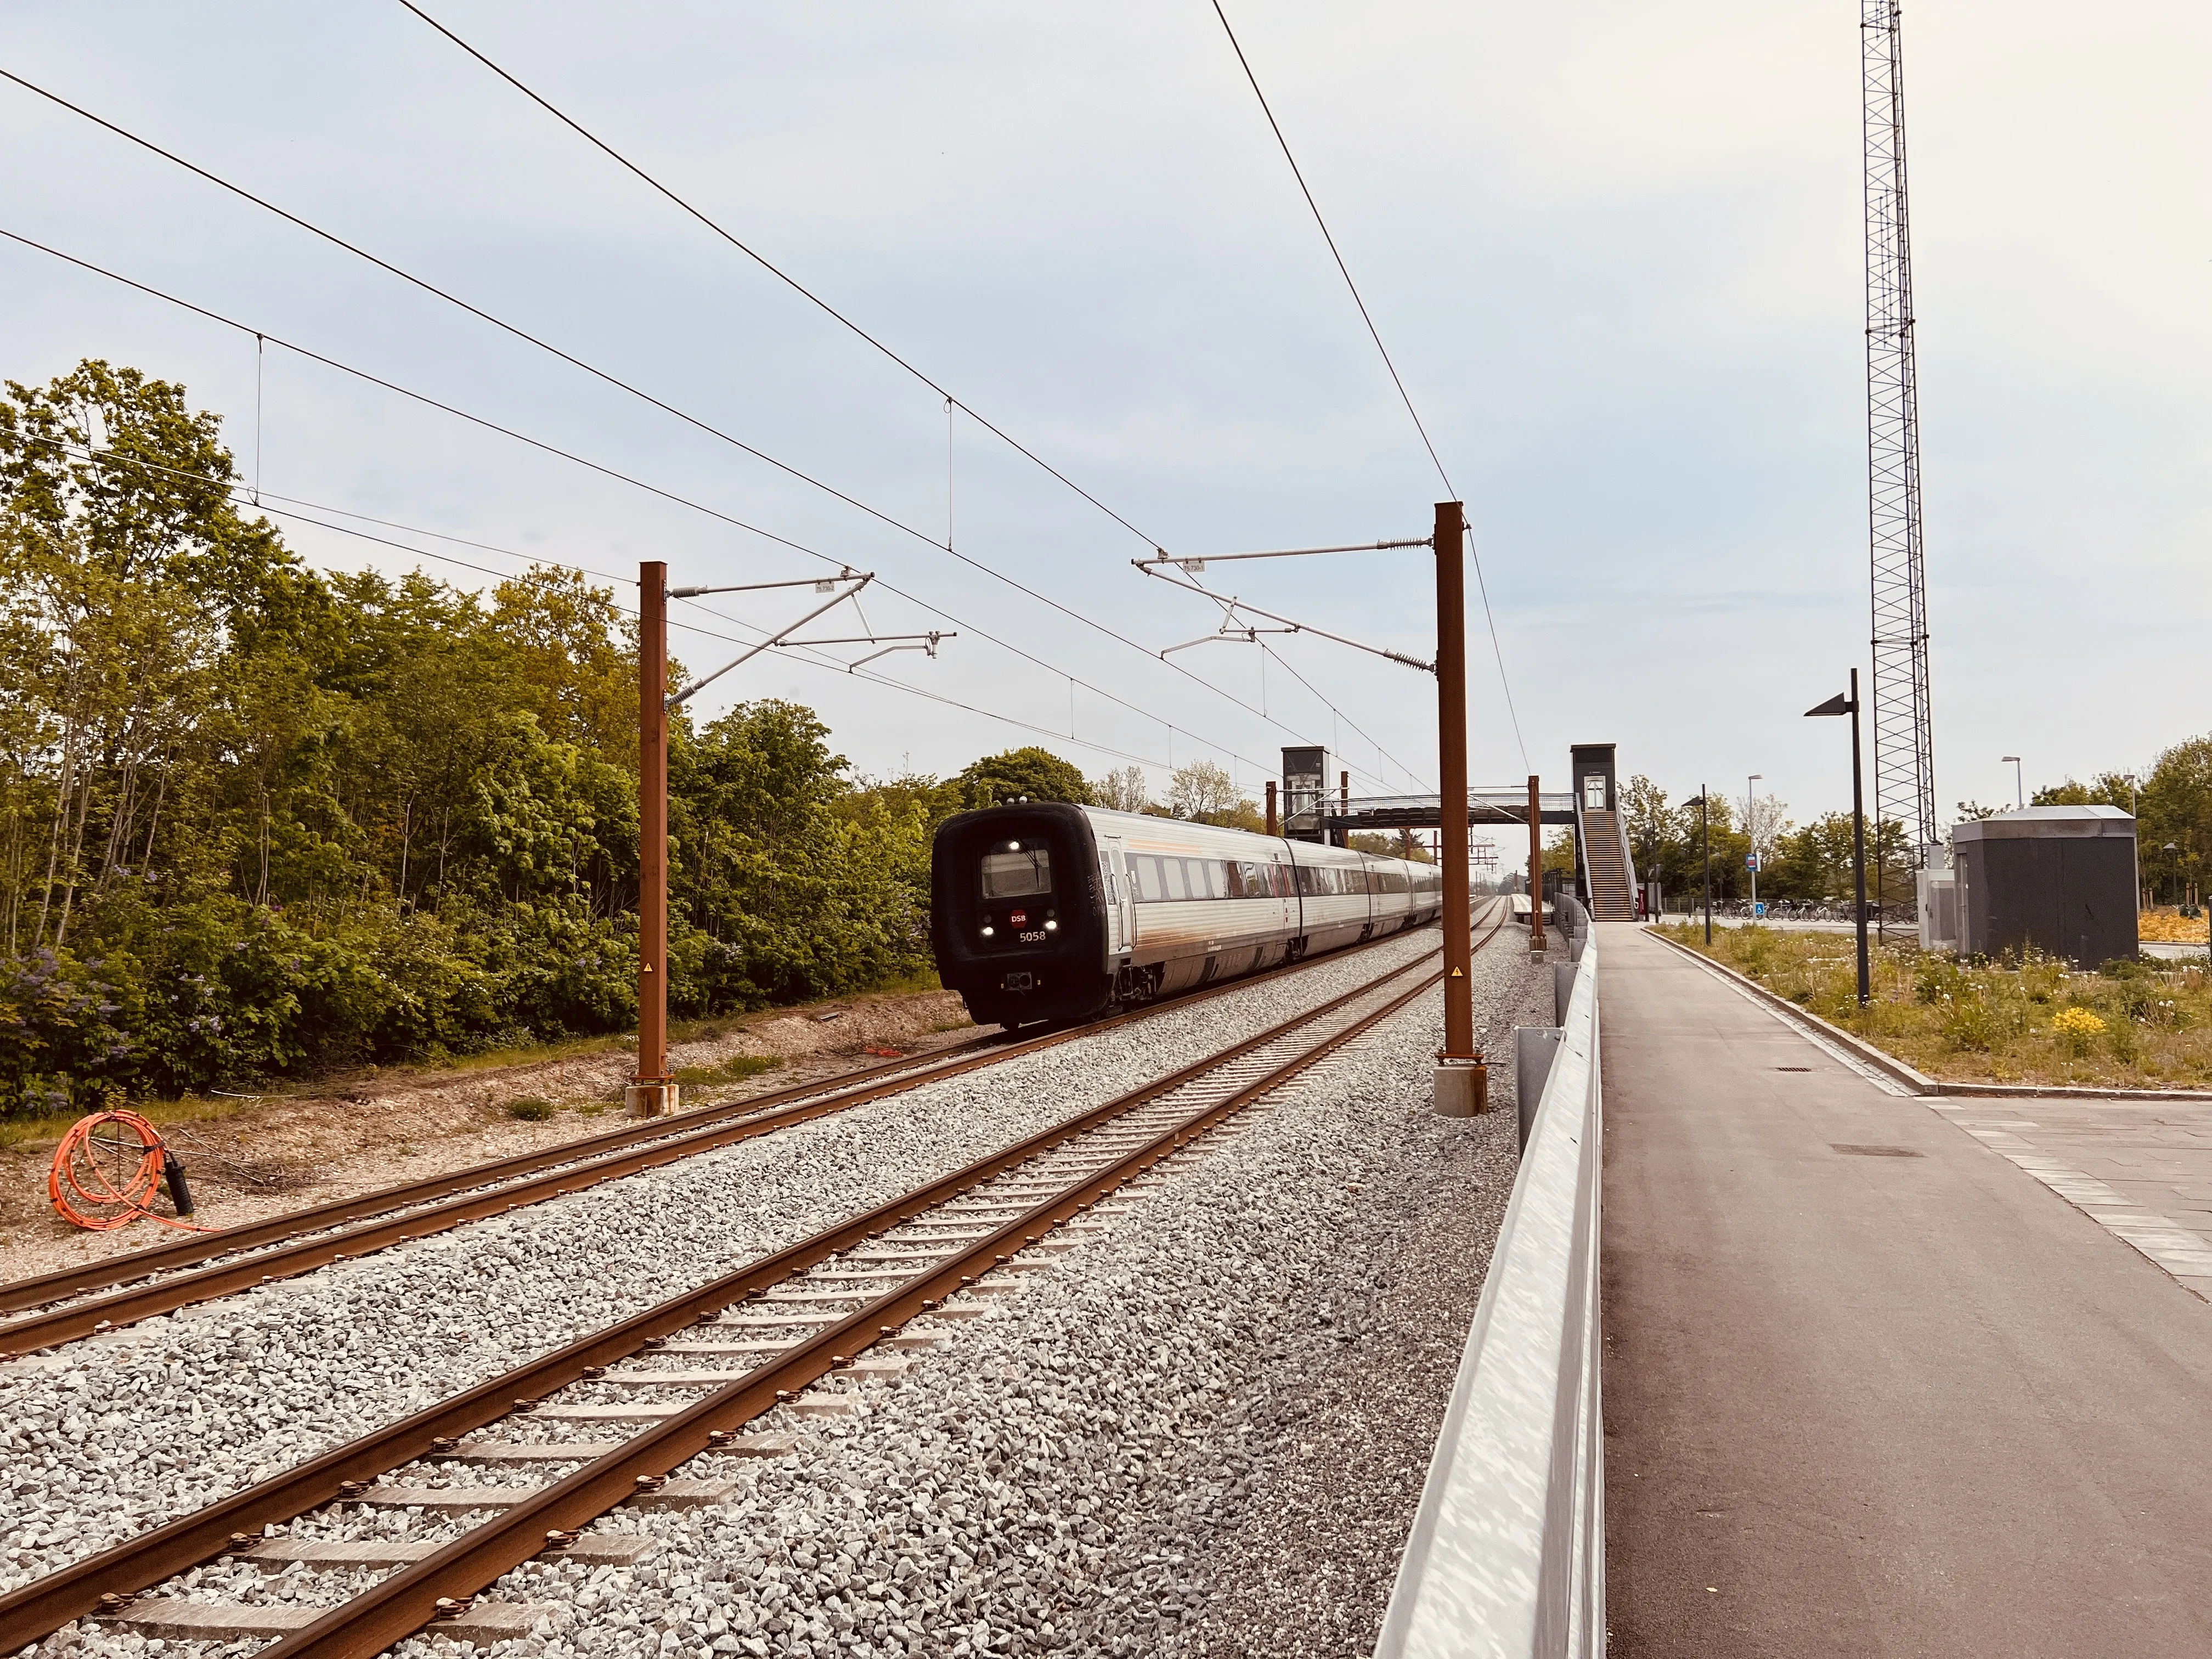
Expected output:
(836, 1307)
(79, 1301)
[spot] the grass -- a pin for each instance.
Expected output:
(531, 1109)
(2142, 1024)
(735, 1069)
(18, 1131)
(192, 1108)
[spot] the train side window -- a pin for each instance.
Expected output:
(1285, 885)
(1217, 878)
(1178, 886)
(1145, 870)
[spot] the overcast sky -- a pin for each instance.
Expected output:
(1615, 248)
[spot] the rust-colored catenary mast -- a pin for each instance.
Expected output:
(1535, 865)
(1461, 1080)
(650, 1093)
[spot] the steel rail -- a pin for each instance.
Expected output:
(412, 1597)
(35, 1610)
(609, 1155)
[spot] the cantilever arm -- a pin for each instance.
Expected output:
(1234, 603)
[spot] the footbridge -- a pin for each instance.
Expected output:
(1605, 867)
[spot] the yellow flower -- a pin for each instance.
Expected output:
(2077, 1022)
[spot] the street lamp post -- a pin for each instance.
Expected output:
(1751, 832)
(2135, 836)
(2018, 788)
(1849, 705)
(1705, 827)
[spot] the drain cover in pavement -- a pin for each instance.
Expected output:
(1873, 1152)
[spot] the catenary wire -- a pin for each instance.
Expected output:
(239, 491)
(1375, 334)
(799, 655)
(1285, 664)
(629, 479)
(617, 382)
(781, 275)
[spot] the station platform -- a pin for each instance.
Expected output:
(1870, 1387)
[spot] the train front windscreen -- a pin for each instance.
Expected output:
(1017, 888)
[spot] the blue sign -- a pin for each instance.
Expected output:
(1751, 861)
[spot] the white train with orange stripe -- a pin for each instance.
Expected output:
(1047, 911)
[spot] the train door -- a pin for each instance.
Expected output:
(1113, 868)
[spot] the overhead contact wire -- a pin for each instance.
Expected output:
(612, 379)
(781, 275)
(619, 476)
(240, 492)
(1375, 335)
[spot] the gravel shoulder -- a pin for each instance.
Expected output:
(108, 1436)
(1203, 1431)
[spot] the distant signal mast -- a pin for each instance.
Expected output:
(1904, 747)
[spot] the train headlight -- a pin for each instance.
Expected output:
(988, 930)
(1052, 927)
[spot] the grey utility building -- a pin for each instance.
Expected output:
(2057, 879)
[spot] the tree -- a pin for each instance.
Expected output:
(256, 820)
(1123, 790)
(2175, 809)
(1389, 846)
(1032, 773)
(1767, 819)
(1201, 790)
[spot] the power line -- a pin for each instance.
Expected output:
(618, 476)
(810, 659)
(1284, 662)
(622, 384)
(1375, 335)
(239, 492)
(781, 275)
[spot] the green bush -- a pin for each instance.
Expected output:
(1973, 1024)
(531, 1109)
(315, 819)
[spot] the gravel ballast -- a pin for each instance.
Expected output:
(1202, 1431)
(111, 1436)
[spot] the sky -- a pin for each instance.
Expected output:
(1614, 250)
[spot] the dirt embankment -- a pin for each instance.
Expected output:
(354, 1133)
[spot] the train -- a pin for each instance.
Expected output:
(1046, 911)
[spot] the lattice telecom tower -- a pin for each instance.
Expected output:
(1904, 757)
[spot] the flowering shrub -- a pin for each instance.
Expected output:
(2078, 1029)
(2023, 1018)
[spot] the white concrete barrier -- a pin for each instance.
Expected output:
(1507, 1552)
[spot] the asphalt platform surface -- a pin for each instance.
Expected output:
(1869, 1389)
